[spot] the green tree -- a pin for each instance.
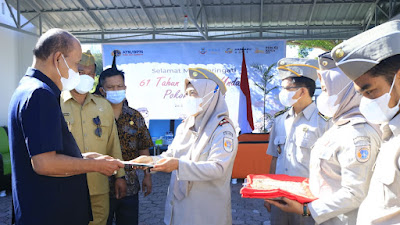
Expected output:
(325, 45)
(304, 51)
(305, 46)
(266, 78)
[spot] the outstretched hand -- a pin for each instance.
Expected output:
(108, 166)
(167, 165)
(288, 205)
(142, 159)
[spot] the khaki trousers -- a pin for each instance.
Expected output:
(100, 209)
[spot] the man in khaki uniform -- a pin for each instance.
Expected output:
(90, 119)
(295, 131)
(372, 60)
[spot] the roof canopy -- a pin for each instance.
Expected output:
(102, 21)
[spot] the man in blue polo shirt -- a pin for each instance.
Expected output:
(48, 170)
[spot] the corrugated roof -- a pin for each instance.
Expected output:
(146, 20)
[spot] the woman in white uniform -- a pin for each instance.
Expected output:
(342, 159)
(200, 157)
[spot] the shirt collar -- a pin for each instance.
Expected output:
(290, 112)
(125, 104)
(394, 125)
(32, 72)
(307, 111)
(89, 97)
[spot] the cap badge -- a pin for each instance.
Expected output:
(339, 53)
(282, 63)
(195, 74)
(324, 63)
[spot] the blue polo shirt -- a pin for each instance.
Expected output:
(36, 125)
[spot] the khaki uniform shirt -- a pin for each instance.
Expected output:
(341, 169)
(382, 204)
(292, 138)
(80, 123)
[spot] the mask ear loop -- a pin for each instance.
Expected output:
(390, 91)
(337, 95)
(391, 87)
(297, 99)
(65, 61)
(209, 93)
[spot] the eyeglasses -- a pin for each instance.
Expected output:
(287, 88)
(98, 130)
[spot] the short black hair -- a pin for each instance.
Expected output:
(304, 82)
(110, 72)
(386, 68)
(54, 40)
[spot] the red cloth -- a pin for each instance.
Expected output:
(249, 192)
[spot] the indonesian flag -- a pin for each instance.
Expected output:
(245, 113)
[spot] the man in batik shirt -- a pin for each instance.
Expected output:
(135, 140)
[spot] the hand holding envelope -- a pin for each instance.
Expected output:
(163, 165)
(142, 162)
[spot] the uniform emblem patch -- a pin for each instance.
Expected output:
(228, 144)
(363, 153)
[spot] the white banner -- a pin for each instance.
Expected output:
(155, 72)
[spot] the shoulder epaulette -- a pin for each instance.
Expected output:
(222, 122)
(281, 112)
(324, 117)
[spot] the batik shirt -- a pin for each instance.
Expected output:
(133, 136)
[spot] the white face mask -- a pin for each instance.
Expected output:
(85, 84)
(327, 105)
(73, 78)
(115, 97)
(377, 110)
(286, 97)
(191, 105)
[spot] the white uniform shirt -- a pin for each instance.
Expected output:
(208, 200)
(340, 171)
(382, 204)
(292, 138)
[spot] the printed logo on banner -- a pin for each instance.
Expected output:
(214, 50)
(210, 51)
(258, 51)
(133, 52)
(239, 50)
(229, 51)
(203, 51)
(116, 51)
(271, 49)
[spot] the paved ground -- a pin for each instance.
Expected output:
(151, 212)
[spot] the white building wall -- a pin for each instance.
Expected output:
(15, 57)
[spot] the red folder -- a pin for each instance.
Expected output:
(274, 186)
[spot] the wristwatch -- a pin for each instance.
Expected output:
(305, 211)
